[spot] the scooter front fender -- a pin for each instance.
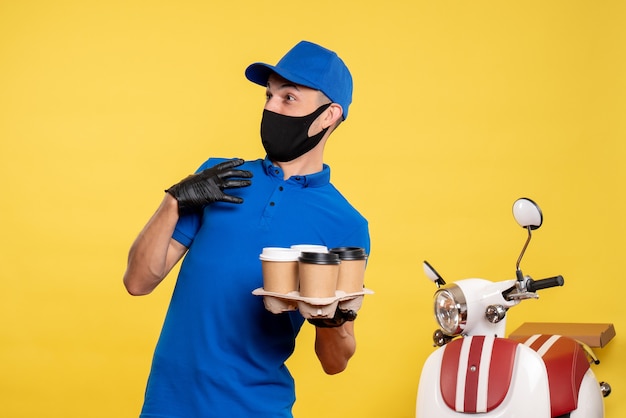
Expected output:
(527, 396)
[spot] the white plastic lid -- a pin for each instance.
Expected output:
(279, 254)
(310, 248)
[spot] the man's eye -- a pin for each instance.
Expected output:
(290, 98)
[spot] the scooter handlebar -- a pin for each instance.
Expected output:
(534, 285)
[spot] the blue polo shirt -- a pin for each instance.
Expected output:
(220, 353)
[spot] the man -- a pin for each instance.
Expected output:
(220, 353)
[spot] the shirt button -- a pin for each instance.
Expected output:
(272, 203)
(281, 188)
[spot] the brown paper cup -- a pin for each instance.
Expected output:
(351, 276)
(280, 269)
(351, 269)
(318, 274)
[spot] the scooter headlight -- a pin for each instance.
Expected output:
(451, 309)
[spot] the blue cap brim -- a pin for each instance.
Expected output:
(260, 72)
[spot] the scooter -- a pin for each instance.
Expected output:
(485, 374)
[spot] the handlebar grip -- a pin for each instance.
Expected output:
(534, 285)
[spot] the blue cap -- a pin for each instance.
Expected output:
(313, 66)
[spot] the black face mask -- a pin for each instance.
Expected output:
(286, 138)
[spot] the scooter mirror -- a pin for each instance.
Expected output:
(432, 274)
(527, 213)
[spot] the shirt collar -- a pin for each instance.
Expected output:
(318, 179)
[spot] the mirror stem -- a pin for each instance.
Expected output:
(520, 277)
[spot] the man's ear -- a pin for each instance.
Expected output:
(334, 115)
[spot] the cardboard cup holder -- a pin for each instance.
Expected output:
(311, 307)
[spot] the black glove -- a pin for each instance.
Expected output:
(340, 318)
(206, 187)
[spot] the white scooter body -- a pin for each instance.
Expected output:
(590, 402)
(528, 394)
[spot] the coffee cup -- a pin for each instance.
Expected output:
(318, 273)
(280, 269)
(352, 268)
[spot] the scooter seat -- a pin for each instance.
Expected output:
(566, 364)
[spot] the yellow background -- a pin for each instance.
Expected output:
(460, 107)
